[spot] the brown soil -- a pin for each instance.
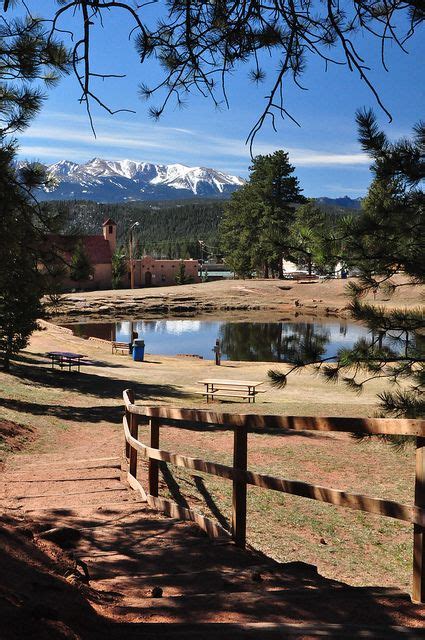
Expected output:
(321, 297)
(128, 552)
(13, 437)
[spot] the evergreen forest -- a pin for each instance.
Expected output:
(166, 229)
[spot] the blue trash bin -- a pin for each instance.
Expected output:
(138, 350)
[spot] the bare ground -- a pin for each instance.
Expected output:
(83, 558)
(324, 297)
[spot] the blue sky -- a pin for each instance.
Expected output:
(324, 149)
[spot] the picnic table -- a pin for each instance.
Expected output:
(217, 387)
(65, 359)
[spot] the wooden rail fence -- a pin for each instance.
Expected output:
(239, 474)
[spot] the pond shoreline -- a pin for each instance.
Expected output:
(322, 298)
(253, 338)
(223, 298)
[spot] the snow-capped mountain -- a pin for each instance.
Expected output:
(127, 180)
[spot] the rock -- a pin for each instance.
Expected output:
(323, 541)
(156, 592)
(64, 537)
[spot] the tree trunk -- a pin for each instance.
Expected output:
(6, 357)
(310, 266)
(266, 270)
(280, 267)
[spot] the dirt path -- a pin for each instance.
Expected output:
(145, 568)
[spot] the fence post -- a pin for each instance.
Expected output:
(153, 471)
(130, 395)
(134, 430)
(418, 591)
(240, 459)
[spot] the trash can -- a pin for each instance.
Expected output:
(138, 350)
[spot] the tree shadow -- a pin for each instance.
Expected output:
(201, 580)
(173, 485)
(209, 501)
(40, 359)
(92, 384)
(111, 413)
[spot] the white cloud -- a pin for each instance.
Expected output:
(118, 139)
(35, 152)
(339, 189)
(310, 158)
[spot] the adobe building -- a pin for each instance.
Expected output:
(99, 250)
(153, 272)
(148, 271)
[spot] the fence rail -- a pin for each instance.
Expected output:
(241, 477)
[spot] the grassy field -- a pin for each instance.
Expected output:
(64, 409)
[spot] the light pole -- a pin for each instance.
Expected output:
(135, 224)
(201, 246)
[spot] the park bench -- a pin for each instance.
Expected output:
(121, 347)
(219, 388)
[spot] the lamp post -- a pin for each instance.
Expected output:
(135, 224)
(201, 246)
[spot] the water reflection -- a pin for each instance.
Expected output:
(249, 341)
(275, 342)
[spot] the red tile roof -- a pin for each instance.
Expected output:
(96, 247)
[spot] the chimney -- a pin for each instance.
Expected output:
(110, 233)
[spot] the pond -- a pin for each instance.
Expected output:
(285, 341)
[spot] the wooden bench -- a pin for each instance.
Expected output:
(123, 347)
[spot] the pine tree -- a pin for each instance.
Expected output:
(312, 239)
(20, 282)
(119, 267)
(181, 277)
(81, 268)
(388, 238)
(28, 59)
(255, 229)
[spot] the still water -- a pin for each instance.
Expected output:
(254, 341)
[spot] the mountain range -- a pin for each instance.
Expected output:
(126, 180)
(344, 203)
(112, 181)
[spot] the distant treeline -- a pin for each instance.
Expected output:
(166, 229)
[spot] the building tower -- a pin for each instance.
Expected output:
(110, 233)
